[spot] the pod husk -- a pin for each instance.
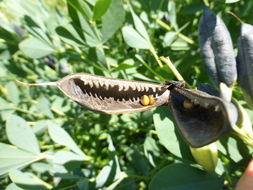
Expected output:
(245, 62)
(217, 49)
(207, 121)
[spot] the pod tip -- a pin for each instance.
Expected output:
(37, 84)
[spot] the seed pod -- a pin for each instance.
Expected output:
(206, 156)
(217, 49)
(108, 95)
(208, 119)
(245, 62)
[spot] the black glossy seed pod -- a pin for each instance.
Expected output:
(217, 49)
(245, 62)
(206, 120)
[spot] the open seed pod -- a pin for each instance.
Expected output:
(109, 95)
(200, 117)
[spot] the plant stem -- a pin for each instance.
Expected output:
(148, 67)
(152, 49)
(167, 61)
(242, 135)
(179, 34)
(28, 112)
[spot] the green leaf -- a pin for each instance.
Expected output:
(230, 148)
(82, 7)
(63, 157)
(100, 56)
(139, 26)
(8, 34)
(41, 126)
(169, 38)
(6, 109)
(109, 24)
(13, 186)
(70, 35)
(180, 45)
(43, 106)
(112, 171)
(13, 92)
(68, 159)
(83, 184)
(166, 130)
(101, 178)
(231, 1)
(172, 13)
(4, 105)
(61, 137)
(100, 8)
(35, 48)
(182, 177)
(134, 39)
(28, 181)
(41, 167)
(12, 158)
(151, 149)
(90, 35)
(21, 135)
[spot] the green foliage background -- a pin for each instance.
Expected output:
(57, 144)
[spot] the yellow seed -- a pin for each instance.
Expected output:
(145, 100)
(151, 99)
(188, 104)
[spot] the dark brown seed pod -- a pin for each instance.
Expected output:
(217, 49)
(108, 95)
(245, 61)
(209, 118)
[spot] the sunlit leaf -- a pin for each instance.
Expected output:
(139, 26)
(28, 181)
(13, 186)
(100, 8)
(82, 7)
(231, 1)
(166, 131)
(11, 158)
(60, 136)
(43, 107)
(21, 135)
(13, 92)
(35, 48)
(109, 24)
(134, 39)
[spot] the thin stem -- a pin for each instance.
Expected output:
(37, 84)
(242, 135)
(234, 15)
(152, 49)
(179, 34)
(148, 67)
(167, 61)
(26, 111)
(137, 177)
(45, 156)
